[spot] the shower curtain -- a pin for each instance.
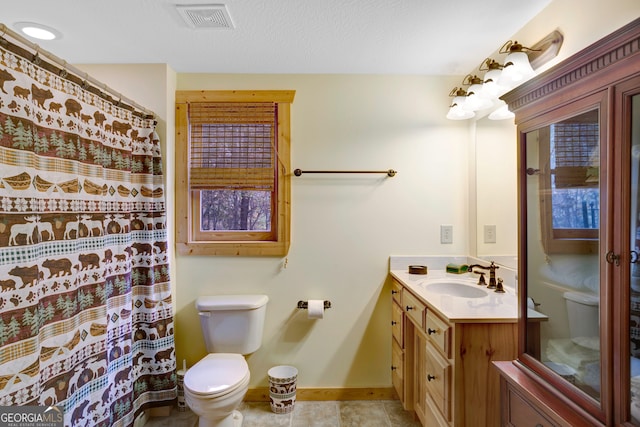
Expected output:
(85, 301)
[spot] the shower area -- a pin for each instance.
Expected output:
(86, 317)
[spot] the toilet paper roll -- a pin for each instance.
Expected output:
(316, 308)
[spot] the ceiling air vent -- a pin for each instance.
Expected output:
(206, 15)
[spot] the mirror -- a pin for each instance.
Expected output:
(562, 162)
(496, 191)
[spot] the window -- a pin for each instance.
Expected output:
(232, 181)
(570, 194)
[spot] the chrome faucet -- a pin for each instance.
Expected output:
(492, 274)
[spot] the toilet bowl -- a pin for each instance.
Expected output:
(215, 386)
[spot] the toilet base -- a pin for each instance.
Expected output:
(233, 420)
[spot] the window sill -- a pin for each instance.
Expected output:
(233, 248)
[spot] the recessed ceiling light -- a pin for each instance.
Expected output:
(38, 31)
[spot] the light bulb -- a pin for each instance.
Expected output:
(517, 70)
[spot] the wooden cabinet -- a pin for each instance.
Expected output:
(398, 344)
(447, 378)
(579, 240)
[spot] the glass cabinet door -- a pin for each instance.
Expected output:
(562, 213)
(634, 318)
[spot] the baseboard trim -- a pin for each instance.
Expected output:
(261, 394)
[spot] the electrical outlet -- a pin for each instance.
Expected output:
(489, 233)
(446, 234)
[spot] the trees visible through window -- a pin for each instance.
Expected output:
(570, 183)
(574, 173)
(233, 210)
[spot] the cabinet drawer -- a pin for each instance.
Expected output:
(432, 416)
(396, 291)
(397, 369)
(438, 372)
(397, 324)
(520, 413)
(414, 308)
(439, 332)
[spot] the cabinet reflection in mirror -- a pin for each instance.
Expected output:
(563, 214)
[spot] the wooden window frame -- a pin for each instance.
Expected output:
(190, 242)
(563, 240)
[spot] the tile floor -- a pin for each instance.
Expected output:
(356, 413)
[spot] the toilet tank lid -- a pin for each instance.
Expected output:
(579, 297)
(230, 302)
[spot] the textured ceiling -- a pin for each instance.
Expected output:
(437, 37)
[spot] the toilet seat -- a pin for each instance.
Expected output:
(217, 374)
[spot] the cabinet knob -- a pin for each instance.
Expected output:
(393, 368)
(393, 292)
(430, 377)
(409, 308)
(393, 323)
(432, 331)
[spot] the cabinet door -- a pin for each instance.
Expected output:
(438, 376)
(566, 203)
(520, 413)
(397, 324)
(397, 369)
(420, 374)
(629, 103)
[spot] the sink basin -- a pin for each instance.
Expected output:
(455, 289)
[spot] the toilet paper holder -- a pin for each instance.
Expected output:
(305, 304)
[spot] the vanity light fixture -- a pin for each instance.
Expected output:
(476, 98)
(502, 112)
(37, 31)
(456, 109)
(516, 68)
(519, 66)
(491, 88)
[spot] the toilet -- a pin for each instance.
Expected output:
(214, 387)
(584, 315)
(575, 357)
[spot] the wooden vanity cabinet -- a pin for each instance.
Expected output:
(397, 343)
(558, 378)
(447, 377)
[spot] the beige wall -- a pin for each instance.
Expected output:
(344, 228)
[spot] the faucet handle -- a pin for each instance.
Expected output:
(499, 287)
(481, 279)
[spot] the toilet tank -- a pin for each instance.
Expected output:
(584, 314)
(232, 323)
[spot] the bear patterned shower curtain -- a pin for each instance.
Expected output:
(85, 302)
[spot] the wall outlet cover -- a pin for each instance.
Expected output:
(446, 234)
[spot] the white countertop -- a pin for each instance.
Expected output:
(494, 307)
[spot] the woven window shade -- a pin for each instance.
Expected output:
(232, 146)
(576, 154)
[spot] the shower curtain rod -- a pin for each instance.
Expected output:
(117, 98)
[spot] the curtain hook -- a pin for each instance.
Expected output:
(85, 83)
(63, 71)
(3, 41)
(36, 58)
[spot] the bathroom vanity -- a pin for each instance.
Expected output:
(447, 331)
